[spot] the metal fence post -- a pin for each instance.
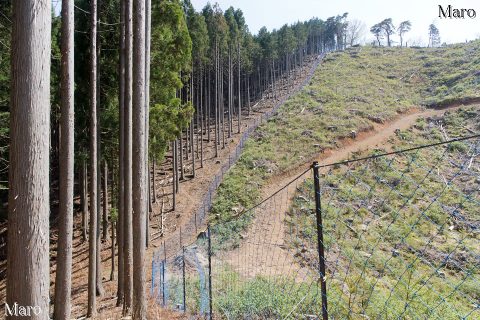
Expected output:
(196, 222)
(321, 254)
(163, 274)
(210, 273)
(152, 289)
(184, 282)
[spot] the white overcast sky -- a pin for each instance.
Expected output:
(275, 13)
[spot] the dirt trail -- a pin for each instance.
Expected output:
(264, 251)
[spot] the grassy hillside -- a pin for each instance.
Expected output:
(350, 91)
(400, 242)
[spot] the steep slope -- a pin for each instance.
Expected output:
(349, 94)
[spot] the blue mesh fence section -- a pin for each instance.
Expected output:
(202, 282)
(165, 288)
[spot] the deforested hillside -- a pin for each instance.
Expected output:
(352, 92)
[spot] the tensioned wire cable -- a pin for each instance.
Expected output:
(386, 267)
(417, 148)
(381, 155)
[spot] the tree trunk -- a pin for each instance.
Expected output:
(121, 169)
(63, 277)
(274, 81)
(149, 199)
(193, 149)
(84, 199)
(216, 100)
(28, 270)
(259, 83)
(148, 6)
(239, 92)
(182, 171)
(230, 107)
(92, 270)
(138, 161)
(187, 141)
(105, 200)
(127, 233)
(202, 116)
(248, 95)
(112, 271)
(208, 106)
(174, 173)
(222, 105)
(99, 277)
(153, 182)
(219, 100)
(177, 179)
(148, 203)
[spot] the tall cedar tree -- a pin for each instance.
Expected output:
(139, 181)
(63, 279)
(29, 206)
(127, 235)
(92, 257)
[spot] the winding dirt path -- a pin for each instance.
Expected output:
(263, 250)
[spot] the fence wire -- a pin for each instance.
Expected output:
(400, 235)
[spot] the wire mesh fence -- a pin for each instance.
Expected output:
(400, 240)
(402, 234)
